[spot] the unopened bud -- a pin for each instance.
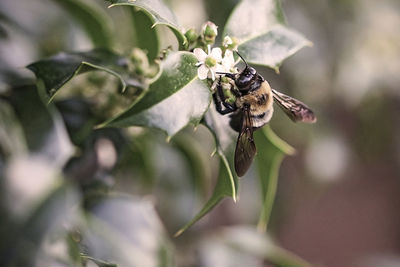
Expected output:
(209, 31)
(191, 36)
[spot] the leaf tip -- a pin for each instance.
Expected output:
(261, 227)
(179, 232)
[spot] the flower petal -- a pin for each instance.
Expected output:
(200, 54)
(202, 72)
(220, 68)
(217, 54)
(228, 61)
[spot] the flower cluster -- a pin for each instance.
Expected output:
(216, 59)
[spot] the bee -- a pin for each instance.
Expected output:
(252, 109)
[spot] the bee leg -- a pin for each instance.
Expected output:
(235, 90)
(222, 100)
(218, 105)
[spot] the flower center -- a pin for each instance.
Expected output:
(210, 62)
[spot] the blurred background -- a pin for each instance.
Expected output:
(338, 198)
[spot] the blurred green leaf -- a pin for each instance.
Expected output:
(248, 240)
(59, 69)
(93, 19)
(268, 162)
(127, 231)
(146, 36)
(48, 219)
(175, 99)
(12, 140)
(227, 182)
(43, 127)
(263, 37)
(160, 13)
(222, 189)
(197, 160)
(99, 262)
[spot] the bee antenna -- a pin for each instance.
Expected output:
(247, 65)
(227, 74)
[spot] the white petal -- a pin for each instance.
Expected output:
(227, 41)
(217, 54)
(200, 54)
(202, 72)
(220, 68)
(212, 72)
(228, 61)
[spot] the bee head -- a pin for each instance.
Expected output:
(245, 77)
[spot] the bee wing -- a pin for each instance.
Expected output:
(245, 146)
(295, 109)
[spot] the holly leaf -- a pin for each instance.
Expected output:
(160, 13)
(174, 100)
(268, 162)
(224, 188)
(127, 232)
(59, 69)
(146, 36)
(265, 39)
(227, 181)
(42, 125)
(94, 20)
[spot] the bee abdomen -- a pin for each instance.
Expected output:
(259, 120)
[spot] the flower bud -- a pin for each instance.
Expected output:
(209, 32)
(191, 36)
(230, 43)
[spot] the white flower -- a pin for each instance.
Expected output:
(227, 41)
(228, 62)
(209, 63)
(230, 43)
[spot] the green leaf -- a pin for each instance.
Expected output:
(197, 159)
(42, 125)
(59, 69)
(268, 162)
(175, 99)
(222, 189)
(146, 35)
(263, 37)
(99, 262)
(12, 140)
(160, 13)
(128, 232)
(227, 182)
(248, 241)
(42, 226)
(94, 20)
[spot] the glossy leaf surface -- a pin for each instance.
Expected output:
(93, 20)
(175, 99)
(59, 69)
(268, 161)
(160, 13)
(265, 40)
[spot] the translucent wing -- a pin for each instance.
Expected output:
(295, 109)
(245, 147)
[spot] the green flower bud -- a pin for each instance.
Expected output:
(191, 36)
(209, 31)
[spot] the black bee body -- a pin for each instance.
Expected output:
(252, 109)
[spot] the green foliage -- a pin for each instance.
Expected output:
(263, 36)
(93, 20)
(167, 104)
(59, 69)
(159, 12)
(169, 96)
